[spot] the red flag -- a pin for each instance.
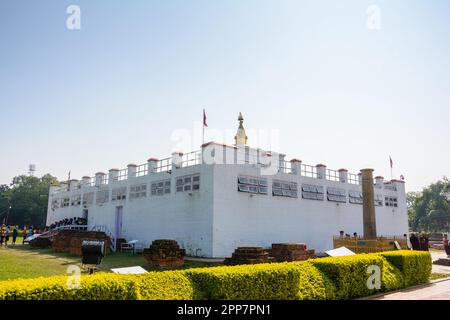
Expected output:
(392, 162)
(204, 118)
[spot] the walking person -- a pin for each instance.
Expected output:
(24, 234)
(2, 234)
(414, 240)
(446, 246)
(14, 235)
(6, 235)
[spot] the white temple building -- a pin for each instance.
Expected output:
(224, 196)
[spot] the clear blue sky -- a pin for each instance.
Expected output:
(115, 91)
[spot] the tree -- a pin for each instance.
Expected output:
(429, 210)
(28, 198)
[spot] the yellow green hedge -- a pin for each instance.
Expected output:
(325, 278)
(171, 285)
(277, 281)
(415, 266)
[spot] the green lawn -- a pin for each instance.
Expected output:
(435, 276)
(24, 262)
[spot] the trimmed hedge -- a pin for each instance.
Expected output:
(277, 281)
(171, 285)
(415, 266)
(325, 278)
(349, 274)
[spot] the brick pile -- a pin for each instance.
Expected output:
(164, 255)
(282, 252)
(70, 241)
(248, 255)
(41, 242)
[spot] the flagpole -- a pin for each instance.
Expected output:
(203, 126)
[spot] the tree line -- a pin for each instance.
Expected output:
(25, 200)
(429, 209)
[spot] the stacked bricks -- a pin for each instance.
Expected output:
(291, 252)
(70, 241)
(41, 242)
(164, 255)
(249, 255)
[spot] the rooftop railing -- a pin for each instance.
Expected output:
(195, 158)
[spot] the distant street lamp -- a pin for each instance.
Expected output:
(5, 220)
(7, 215)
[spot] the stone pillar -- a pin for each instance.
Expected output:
(281, 165)
(73, 184)
(379, 181)
(343, 175)
(370, 228)
(177, 158)
(99, 178)
(132, 170)
(360, 178)
(86, 181)
(296, 166)
(64, 186)
(321, 171)
(113, 175)
(152, 165)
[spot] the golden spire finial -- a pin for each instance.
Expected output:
(241, 137)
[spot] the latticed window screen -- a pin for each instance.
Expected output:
(312, 192)
(188, 183)
(390, 202)
(65, 202)
(76, 200)
(138, 191)
(88, 198)
(355, 197)
(378, 200)
(102, 196)
(252, 185)
(336, 195)
(284, 189)
(160, 188)
(119, 194)
(55, 204)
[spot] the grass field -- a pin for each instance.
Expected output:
(24, 262)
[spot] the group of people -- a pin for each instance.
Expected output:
(347, 235)
(419, 242)
(13, 232)
(69, 222)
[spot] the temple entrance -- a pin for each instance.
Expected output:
(118, 225)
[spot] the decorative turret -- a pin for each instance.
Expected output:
(241, 137)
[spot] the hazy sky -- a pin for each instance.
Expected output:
(334, 90)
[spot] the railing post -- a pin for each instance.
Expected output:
(113, 175)
(296, 165)
(379, 180)
(281, 165)
(152, 165)
(86, 181)
(177, 158)
(131, 170)
(99, 178)
(343, 175)
(321, 171)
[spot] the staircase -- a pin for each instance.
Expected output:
(104, 228)
(53, 232)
